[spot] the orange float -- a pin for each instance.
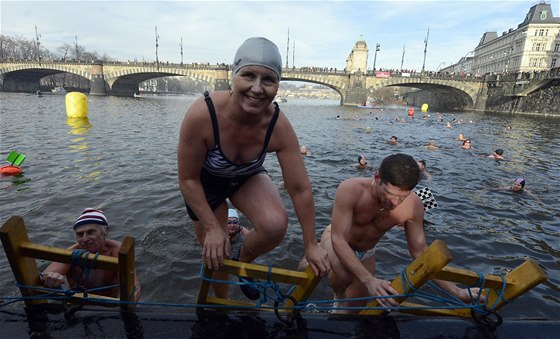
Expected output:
(411, 112)
(10, 170)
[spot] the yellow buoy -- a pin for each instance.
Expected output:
(76, 105)
(424, 107)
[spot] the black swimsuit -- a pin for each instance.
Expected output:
(220, 177)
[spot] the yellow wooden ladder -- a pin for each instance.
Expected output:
(305, 282)
(432, 264)
(22, 253)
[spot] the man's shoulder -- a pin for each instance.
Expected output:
(113, 247)
(355, 182)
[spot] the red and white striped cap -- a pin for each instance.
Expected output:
(91, 216)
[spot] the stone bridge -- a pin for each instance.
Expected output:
(122, 79)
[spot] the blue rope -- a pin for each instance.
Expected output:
(55, 294)
(261, 286)
(79, 259)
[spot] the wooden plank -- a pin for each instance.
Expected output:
(424, 268)
(523, 278)
(65, 256)
(306, 281)
(78, 296)
(469, 278)
(262, 272)
(204, 287)
(13, 235)
(126, 265)
(229, 302)
(303, 291)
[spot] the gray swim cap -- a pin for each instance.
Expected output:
(258, 51)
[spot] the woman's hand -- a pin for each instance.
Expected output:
(216, 245)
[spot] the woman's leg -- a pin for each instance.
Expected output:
(259, 200)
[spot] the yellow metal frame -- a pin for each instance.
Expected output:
(432, 264)
(22, 253)
(306, 282)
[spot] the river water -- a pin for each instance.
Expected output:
(123, 160)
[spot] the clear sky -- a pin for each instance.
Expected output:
(324, 32)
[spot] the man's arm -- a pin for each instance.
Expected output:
(54, 276)
(416, 240)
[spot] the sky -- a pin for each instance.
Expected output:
(321, 33)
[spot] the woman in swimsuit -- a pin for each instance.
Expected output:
(223, 141)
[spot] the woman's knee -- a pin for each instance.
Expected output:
(273, 225)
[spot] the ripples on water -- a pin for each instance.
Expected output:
(123, 160)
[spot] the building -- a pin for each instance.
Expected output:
(533, 46)
(358, 58)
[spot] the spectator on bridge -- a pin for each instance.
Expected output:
(223, 142)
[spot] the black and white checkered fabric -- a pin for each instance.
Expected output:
(427, 198)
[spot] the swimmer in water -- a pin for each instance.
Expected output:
(518, 186)
(466, 144)
(498, 154)
(423, 171)
(362, 162)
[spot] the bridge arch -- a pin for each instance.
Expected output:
(337, 89)
(26, 77)
(446, 93)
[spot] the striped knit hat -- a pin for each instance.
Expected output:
(91, 216)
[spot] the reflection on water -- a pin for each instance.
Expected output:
(80, 126)
(123, 160)
(88, 166)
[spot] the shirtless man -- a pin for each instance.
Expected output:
(363, 211)
(91, 230)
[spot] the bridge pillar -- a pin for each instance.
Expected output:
(222, 80)
(482, 96)
(98, 84)
(356, 92)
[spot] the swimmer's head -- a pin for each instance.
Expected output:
(260, 52)
(362, 159)
(518, 184)
(499, 151)
(421, 164)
